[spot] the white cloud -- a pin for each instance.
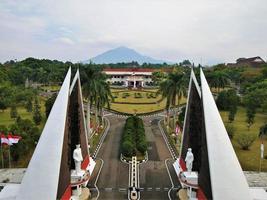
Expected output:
(207, 30)
(65, 40)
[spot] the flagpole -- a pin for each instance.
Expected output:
(9, 156)
(260, 166)
(2, 155)
(261, 154)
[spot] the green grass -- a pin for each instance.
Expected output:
(6, 120)
(140, 108)
(132, 99)
(249, 159)
(51, 87)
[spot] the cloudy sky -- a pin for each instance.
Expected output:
(207, 31)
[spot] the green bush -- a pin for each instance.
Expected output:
(230, 130)
(133, 138)
(245, 140)
(142, 146)
(127, 148)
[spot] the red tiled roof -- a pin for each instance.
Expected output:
(129, 70)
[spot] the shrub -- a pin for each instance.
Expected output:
(133, 138)
(245, 140)
(127, 148)
(230, 130)
(142, 146)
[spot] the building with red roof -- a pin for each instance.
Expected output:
(130, 77)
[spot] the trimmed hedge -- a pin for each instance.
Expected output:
(133, 139)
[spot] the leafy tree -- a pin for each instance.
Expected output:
(227, 99)
(49, 104)
(256, 95)
(251, 106)
(250, 116)
(30, 135)
(3, 105)
(245, 140)
(230, 130)
(37, 117)
(127, 148)
(28, 105)
(186, 63)
(158, 77)
(232, 113)
(13, 112)
(263, 131)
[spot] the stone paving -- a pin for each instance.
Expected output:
(256, 179)
(15, 175)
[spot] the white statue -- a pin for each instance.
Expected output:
(189, 160)
(78, 158)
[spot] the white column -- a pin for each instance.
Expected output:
(134, 84)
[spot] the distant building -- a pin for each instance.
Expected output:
(130, 77)
(250, 62)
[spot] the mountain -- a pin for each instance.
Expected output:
(123, 54)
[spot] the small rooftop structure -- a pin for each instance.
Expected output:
(250, 62)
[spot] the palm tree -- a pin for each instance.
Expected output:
(218, 79)
(90, 89)
(173, 89)
(102, 98)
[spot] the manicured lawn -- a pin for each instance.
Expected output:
(145, 97)
(250, 159)
(137, 108)
(130, 108)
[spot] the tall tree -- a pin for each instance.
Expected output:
(90, 82)
(13, 112)
(218, 79)
(103, 97)
(37, 117)
(28, 105)
(263, 131)
(49, 104)
(173, 89)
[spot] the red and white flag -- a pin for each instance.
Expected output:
(4, 140)
(177, 129)
(13, 139)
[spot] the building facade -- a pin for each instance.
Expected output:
(130, 77)
(250, 62)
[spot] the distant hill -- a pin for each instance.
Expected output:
(123, 54)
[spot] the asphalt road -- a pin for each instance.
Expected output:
(113, 180)
(154, 178)
(155, 181)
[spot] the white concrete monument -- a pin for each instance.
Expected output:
(189, 160)
(78, 158)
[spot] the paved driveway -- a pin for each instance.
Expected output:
(113, 179)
